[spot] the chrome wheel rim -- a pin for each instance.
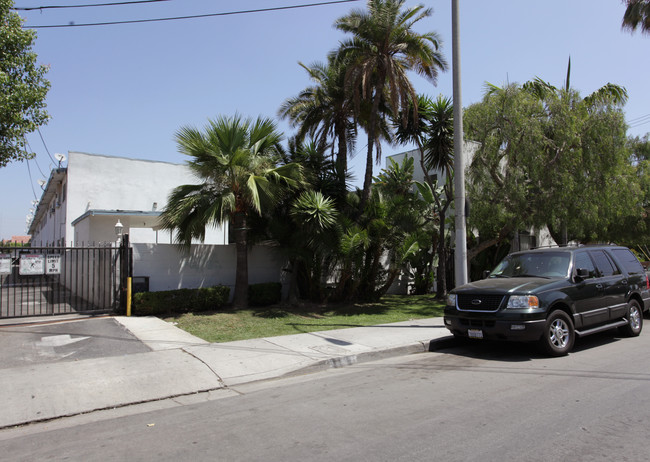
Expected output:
(559, 333)
(635, 318)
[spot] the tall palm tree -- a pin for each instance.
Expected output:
(637, 13)
(440, 155)
(434, 135)
(382, 49)
(324, 112)
(236, 161)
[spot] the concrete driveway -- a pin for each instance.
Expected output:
(56, 340)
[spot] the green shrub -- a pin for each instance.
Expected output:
(179, 301)
(267, 293)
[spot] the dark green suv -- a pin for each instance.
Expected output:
(551, 296)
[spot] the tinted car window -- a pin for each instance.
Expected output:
(547, 264)
(604, 264)
(628, 260)
(583, 261)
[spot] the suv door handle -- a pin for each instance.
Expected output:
(599, 286)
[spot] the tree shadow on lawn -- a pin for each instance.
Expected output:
(420, 306)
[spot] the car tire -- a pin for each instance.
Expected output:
(559, 334)
(635, 320)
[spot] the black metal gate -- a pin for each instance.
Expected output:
(39, 281)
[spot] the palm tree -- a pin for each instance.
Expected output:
(434, 135)
(236, 159)
(383, 48)
(323, 112)
(440, 156)
(637, 13)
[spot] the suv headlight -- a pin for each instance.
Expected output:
(451, 299)
(523, 301)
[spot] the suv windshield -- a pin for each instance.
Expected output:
(534, 264)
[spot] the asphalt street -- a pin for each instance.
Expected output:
(477, 401)
(26, 344)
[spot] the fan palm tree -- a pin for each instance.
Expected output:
(637, 14)
(382, 49)
(236, 161)
(323, 112)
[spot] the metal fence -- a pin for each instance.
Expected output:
(37, 281)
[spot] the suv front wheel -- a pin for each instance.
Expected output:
(559, 335)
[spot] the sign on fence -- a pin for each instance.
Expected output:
(5, 263)
(53, 265)
(32, 264)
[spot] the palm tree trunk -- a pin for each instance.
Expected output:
(292, 293)
(342, 161)
(372, 129)
(240, 298)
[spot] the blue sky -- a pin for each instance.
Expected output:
(124, 90)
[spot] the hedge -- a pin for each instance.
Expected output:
(179, 301)
(267, 293)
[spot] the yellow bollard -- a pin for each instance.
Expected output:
(128, 296)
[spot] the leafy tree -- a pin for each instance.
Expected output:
(23, 87)
(553, 99)
(237, 161)
(633, 229)
(382, 49)
(547, 161)
(639, 149)
(637, 14)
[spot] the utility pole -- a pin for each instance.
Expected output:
(460, 254)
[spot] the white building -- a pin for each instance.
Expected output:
(82, 203)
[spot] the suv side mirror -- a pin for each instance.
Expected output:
(582, 274)
(486, 273)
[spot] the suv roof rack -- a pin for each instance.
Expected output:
(559, 246)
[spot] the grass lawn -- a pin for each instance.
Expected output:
(227, 326)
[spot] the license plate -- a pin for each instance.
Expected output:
(475, 333)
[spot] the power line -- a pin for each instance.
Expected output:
(34, 159)
(48, 7)
(639, 124)
(638, 119)
(46, 150)
(136, 21)
(31, 181)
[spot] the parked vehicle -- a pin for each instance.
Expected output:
(552, 295)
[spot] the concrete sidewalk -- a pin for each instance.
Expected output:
(181, 364)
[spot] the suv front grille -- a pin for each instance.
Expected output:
(470, 302)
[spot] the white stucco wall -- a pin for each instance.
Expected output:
(51, 213)
(168, 267)
(469, 148)
(97, 182)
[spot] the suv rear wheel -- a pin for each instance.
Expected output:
(559, 335)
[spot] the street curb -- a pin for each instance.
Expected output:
(376, 355)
